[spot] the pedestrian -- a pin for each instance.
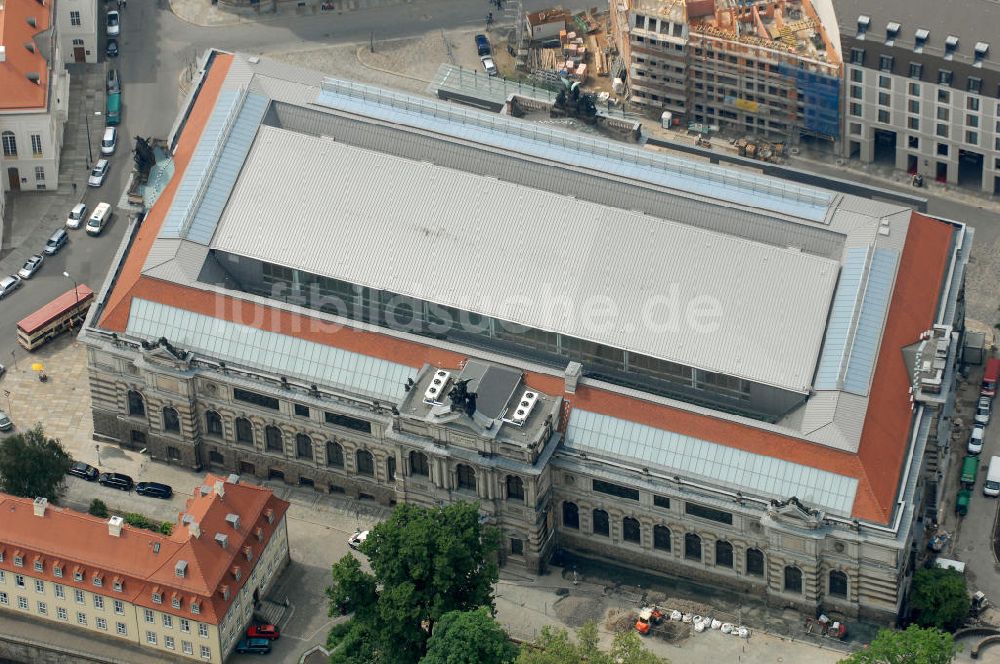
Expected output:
(74, 187)
(119, 4)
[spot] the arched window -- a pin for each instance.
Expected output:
(601, 524)
(390, 469)
(213, 423)
(723, 554)
(571, 516)
(365, 462)
(692, 546)
(136, 404)
(793, 579)
(515, 488)
(755, 562)
(303, 446)
(661, 538)
(838, 584)
(418, 464)
(171, 420)
(466, 477)
(631, 531)
(273, 439)
(334, 454)
(244, 431)
(9, 144)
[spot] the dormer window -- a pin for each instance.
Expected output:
(891, 32)
(248, 552)
(175, 602)
(57, 570)
(863, 23)
(195, 607)
(920, 40)
(157, 598)
(98, 580)
(39, 566)
(118, 586)
(18, 560)
(982, 48)
(950, 46)
(78, 575)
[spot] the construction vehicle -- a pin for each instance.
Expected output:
(649, 617)
(824, 627)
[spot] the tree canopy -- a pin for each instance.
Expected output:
(469, 637)
(915, 645)
(32, 465)
(554, 646)
(940, 598)
(425, 563)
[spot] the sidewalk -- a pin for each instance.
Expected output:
(205, 13)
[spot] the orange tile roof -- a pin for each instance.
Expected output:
(15, 32)
(877, 466)
(143, 560)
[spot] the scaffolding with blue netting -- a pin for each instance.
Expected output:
(821, 100)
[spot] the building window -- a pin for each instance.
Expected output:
(74, 19)
(390, 469)
(944, 77)
(175, 602)
(121, 629)
(466, 477)
(148, 615)
(39, 586)
(79, 596)
(661, 538)
(102, 623)
(913, 106)
(885, 62)
(942, 131)
(723, 554)
(43, 608)
(119, 607)
(257, 399)
(99, 602)
(793, 579)
(418, 464)
(136, 404)
(203, 630)
(755, 562)
(571, 516)
(19, 580)
(77, 42)
(857, 92)
(515, 488)
(151, 638)
(348, 422)
(365, 463)
(62, 613)
(273, 438)
(81, 618)
(168, 620)
(914, 89)
(884, 99)
(913, 142)
(615, 490)
(36, 146)
(710, 513)
(22, 603)
(857, 76)
(171, 420)
(972, 137)
(303, 446)
(206, 652)
(9, 144)
(971, 120)
(334, 454)
(631, 531)
(60, 590)
(885, 82)
(187, 647)
(838, 584)
(168, 642)
(883, 116)
(56, 569)
(857, 56)
(244, 431)
(916, 71)
(974, 84)
(185, 625)
(972, 103)
(661, 501)
(213, 423)
(944, 96)
(856, 110)
(913, 123)
(602, 526)
(692, 546)
(301, 411)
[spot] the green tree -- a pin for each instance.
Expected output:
(469, 637)
(554, 646)
(915, 645)
(98, 508)
(32, 465)
(940, 598)
(425, 563)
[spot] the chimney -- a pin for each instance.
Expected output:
(194, 529)
(115, 526)
(220, 489)
(572, 374)
(40, 504)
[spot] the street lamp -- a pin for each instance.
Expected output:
(76, 294)
(90, 150)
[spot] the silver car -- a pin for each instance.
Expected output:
(9, 284)
(30, 266)
(77, 215)
(99, 172)
(5, 422)
(983, 410)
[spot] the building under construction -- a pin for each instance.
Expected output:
(765, 67)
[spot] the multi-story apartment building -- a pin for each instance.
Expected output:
(759, 68)
(34, 102)
(923, 88)
(77, 24)
(188, 595)
(709, 373)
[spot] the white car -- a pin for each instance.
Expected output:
(357, 539)
(30, 266)
(114, 23)
(9, 284)
(110, 141)
(976, 439)
(983, 410)
(99, 172)
(76, 215)
(489, 65)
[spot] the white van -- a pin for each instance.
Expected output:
(98, 220)
(992, 486)
(946, 563)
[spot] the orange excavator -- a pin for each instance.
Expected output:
(649, 616)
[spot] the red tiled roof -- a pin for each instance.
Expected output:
(877, 465)
(16, 32)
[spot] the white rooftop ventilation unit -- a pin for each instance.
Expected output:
(523, 408)
(436, 390)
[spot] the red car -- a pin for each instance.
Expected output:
(263, 632)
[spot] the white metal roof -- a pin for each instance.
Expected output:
(529, 256)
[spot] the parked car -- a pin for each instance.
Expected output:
(976, 440)
(112, 49)
(489, 65)
(98, 173)
(357, 539)
(114, 84)
(269, 632)
(5, 422)
(116, 481)
(30, 266)
(483, 46)
(114, 23)
(154, 490)
(254, 646)
(983, 409)
(9, 284)
(84, 471)
(56, 242)
(76, 215)
(3, 370)
(110, 141)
